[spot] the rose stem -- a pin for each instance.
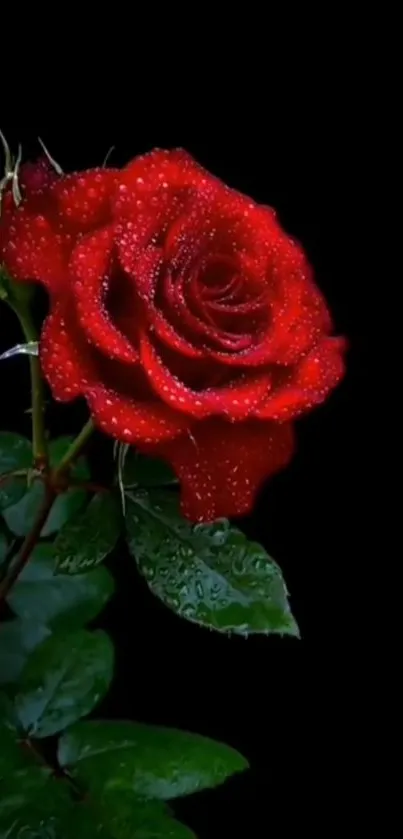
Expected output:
(39, 443)
(51, 494)
(27, 546)
(75, 449)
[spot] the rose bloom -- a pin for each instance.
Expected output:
(182, 312)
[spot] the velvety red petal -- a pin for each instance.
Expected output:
(308, 384)
(170, 336)
(299, 314)
(298, 317)
(84, 198)
(195, 326)
(89, 266)
(133, 421)
(221, 466)
(224, 223)
(160, 169)
(65, 363)
(33, 251)
(236, 401)
(142, 266)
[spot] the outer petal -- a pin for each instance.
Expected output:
(159, 170)
(307, 385)
(84, 198)
(223, 222)
(32, 249)
(89, 266)
(221, 466)
(132, 421)
(65, 362)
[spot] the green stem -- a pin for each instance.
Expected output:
(39, 443)
(75, 449)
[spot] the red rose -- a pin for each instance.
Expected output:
(182, 312)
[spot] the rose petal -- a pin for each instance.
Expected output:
(133, 421)
(298, 317)
(170, 336)
(308, 384)
(160, 169)
(90, 267)
(32, 250)
(143, 266)
(221, 466)
(65, 361)
(194, 326)
(84, 198)
(222, 222)
(237, 400)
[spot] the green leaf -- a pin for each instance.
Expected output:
(15, 455)
(22, 777)
(128, 817)
(88, 539)
(150, 762)
(143, 470)
(20, 518)
(210, 574)
(33, 804)
(63, 680)
(18, 639)
(30, 798)
(23, 786)
(45, 819)
(4, 543)
(31, 823)
(60, 601)
(32, 801)
(7, 713)
(11, 754)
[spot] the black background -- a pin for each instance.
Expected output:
(288, 706)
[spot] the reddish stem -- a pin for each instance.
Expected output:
(89, 486)
(27, 546)
(56, 770)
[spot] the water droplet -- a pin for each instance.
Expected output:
(223, 602)
(173, 602)
(238, 566)
(188, 611)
